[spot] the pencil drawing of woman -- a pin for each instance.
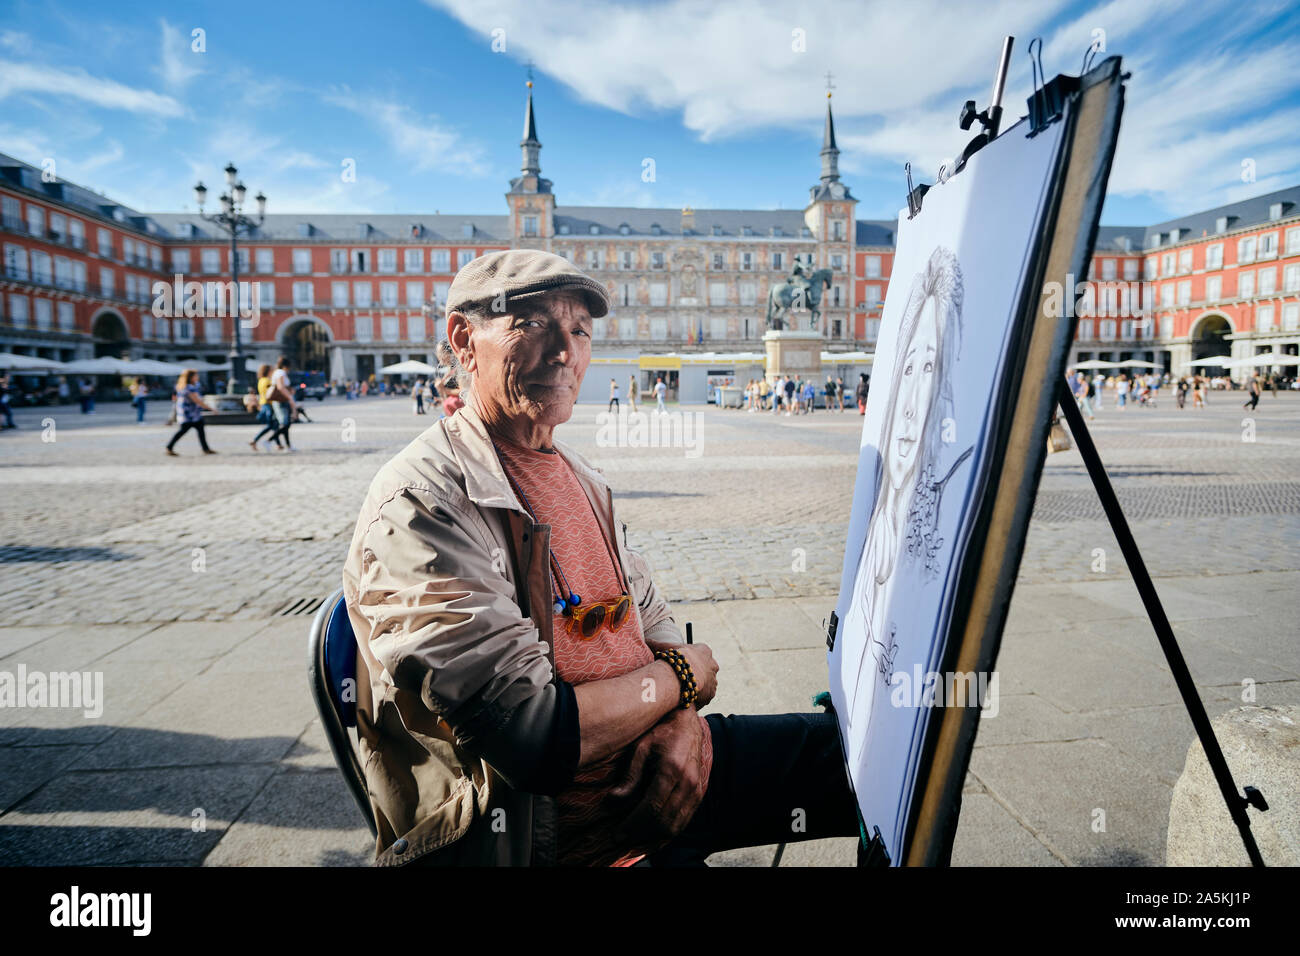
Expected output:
(905, 516)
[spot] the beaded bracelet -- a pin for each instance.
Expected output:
(685, 676)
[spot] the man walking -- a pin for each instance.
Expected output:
(861, 393)
(1253, 401)
(631, 393)
(613, 395)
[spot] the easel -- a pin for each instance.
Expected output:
(1237, 802)
(1046, 106)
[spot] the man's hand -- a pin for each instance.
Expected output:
(702, 664)
(664, 782)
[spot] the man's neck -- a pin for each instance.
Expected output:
(524, 434)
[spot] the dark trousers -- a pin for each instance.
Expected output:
(613, 404)
(186, 426)
(775, 778)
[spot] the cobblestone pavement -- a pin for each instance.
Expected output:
(108, 549)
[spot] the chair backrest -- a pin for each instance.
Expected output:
(332, 673)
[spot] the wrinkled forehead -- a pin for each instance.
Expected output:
(561, 304)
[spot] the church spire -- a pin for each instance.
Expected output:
(830, 152)
(530, 144)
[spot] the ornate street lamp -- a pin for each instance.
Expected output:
(233, 221)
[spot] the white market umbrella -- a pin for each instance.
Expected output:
(336, 364)
(1219, 360)
(1267, 358)
(105, 365)
(1095, 363)
(409, 367)
(1137, 363)
(29, 363)
(154, 367)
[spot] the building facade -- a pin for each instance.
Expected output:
(349, 294)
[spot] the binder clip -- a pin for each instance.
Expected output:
(914, 195)
(830, 632)
(874, 853)
(1048, 100)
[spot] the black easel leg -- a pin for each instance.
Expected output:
(1186, 687)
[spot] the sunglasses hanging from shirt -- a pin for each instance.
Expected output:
(584, 619)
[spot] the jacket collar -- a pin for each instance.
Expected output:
(485, 479)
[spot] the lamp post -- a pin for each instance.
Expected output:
(233, 221)
(430, 310)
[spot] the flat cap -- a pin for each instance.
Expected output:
(522, 274)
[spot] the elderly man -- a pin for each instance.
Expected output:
(526, 696)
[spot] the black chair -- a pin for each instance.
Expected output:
(331, 665)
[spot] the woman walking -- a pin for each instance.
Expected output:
(264, 414)
(139, 396)
(189, 410)
(283, 406)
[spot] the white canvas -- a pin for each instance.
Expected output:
(956, 279)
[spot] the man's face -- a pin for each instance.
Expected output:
(529, 364)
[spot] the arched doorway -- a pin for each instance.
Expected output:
(1209, 338)
(108, 330)
(306, 344)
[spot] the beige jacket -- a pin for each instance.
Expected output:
(448, 593)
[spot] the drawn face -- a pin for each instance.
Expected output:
(916, 386)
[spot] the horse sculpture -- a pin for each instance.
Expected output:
(797, 293)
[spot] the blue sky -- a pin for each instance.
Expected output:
(726, 98)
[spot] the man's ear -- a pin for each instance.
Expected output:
(460, 337)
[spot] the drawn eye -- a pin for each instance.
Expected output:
(908, 370)
(929, 367)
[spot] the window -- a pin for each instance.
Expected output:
(1131, 269)
(1268, 245)
(212, 330)
(41, 268)
(659, 292)
(18, 310)
(58, 226)
(413, 260)
(872, 267)
(13, 213)
(1264, 318)
(128, 250)
(530, 225)
(266, 261)
(748, 293)
(599, 328)
(837, 230)
(564, 229)
(1107, 270)
(1213, 288)
(439, 260)
(1167, 264)
(1167, 296)
(15, 261)
(302, 261)
(77, 233)
(156, 258)
(387, 260)
(717, 327)
(1293, 242)
(717, 293)
(627, 328)
(146, 325)
(390, 328)
(1291, 278)
(361, 294)
(338, 261)
(626, 260)
(107, 284)
(339, 294)
(1185, 292)
(67, 316)
(624, 229)
(302, 294)
(837, 262)
(245, 266)
(63, 272)
(463, 258)
(210, 260)
(414, 294)
(1267, 281)
(1151, 268)
(415, 328)
(595, 259)
(1246, 285)
(1246, 249)
(873, 297)
(44, 311)
(360, 260)
(719, 262)
(778, 261)
(388, 294)
(36, 220)
(184, 330)
(181, 260)
(106, 243)
(594, 229)
(837, 295)
(266, 294)
(440, 290)
(658, 329)
(1127, 327)
(746, 262)
(365, 328)
(1291, 317)
(1184, 261)
(656, 260)
(1214, 256)
(1085, 329)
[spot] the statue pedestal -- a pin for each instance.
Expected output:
(794, 353)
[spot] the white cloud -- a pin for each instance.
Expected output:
(77, 84)
(177, 63)
(422, 141)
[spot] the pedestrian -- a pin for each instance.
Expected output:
(632, 393)
(265, 415)
(1081, 386)
(1198, 391)
(809, 396)
(1121, 391)
(6, 399)
(1253, 388)
(613, 395)
(861, 393)
(1153, 389)
(1181, 392)
(778, 394)
(418, 394)
(830, 393)
(1098, 387)
(86, 393)
(791, 390)
(660, 391)
(189, 411)
(139, 396)
(283, 406)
